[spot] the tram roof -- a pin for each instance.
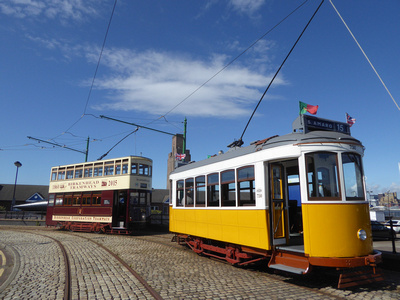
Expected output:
(105, 160)
(301, 134)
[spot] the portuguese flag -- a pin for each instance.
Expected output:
(304, 107)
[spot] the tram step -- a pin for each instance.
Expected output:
(288, 269)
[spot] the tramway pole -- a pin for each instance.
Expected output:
(184, 138)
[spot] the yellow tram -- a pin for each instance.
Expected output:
(297, 200)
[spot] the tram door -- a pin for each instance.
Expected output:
(278, 204)
(119, 209)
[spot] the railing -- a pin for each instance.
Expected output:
(159, 219)
(23, 215)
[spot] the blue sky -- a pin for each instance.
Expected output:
(158, 53)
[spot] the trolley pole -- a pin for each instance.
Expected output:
(184, 137)
(87, 149)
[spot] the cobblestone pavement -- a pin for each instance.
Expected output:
(174, 271)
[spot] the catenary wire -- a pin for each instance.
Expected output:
(365, 55)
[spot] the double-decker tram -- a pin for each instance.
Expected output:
(111, 195)
(297, 200)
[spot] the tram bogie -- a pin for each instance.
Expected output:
(297, 200)
(111, 196)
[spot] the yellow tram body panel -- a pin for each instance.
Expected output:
(330, 230)
(236, 226)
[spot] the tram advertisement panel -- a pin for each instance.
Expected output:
(101, 184)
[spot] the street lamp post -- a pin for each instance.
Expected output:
(18, 165)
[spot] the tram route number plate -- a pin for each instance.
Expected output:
(314, 123)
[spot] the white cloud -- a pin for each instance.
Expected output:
(155, 82)
(52, 9)
(249, 7)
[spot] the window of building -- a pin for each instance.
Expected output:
(246, 186)
(213, 190)
(322, 176)
(353, 176)
(180, 184)
(189, 192)
(200, 191)
(228, 188)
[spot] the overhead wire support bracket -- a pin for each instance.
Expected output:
(137, 125)
(63, 146)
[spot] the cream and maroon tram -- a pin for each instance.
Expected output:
(102, 196)
(297, 200)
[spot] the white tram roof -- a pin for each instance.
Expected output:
(306, 129)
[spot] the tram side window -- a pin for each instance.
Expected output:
(353, 176)
(51, 200)
(246, 186)
(59, 200)
(53, 175)
(96, 199)
(228, 188)
(117, 167)
(76, 199)
(67, 199)
(322, 176)
(144, 170)
(189, 192)
(125, 169)
(213, 190)
(88, 172)
(109, 169)
(200, 197)
(61, 174)
(86, 199)
(179, 192)
(70, 174)
(134, 169)
(98, 171)
(78, 173)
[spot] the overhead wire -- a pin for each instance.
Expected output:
(233, 60)
(365, 55)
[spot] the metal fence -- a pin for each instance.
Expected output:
(23, 215)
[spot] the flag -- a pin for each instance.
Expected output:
(180, 156)
(304, 107)
(350, 120)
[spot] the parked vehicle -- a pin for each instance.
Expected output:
(396, 225)
(380, 231)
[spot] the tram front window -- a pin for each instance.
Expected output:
(353, 174)
(322, 176)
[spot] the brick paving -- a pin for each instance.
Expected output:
(173, 271)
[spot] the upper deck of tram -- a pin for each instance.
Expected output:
(306, 130)
(118, 173)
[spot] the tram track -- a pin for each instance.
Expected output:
(163, 265)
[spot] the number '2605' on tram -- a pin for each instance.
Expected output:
(110, 195)
(297, 200)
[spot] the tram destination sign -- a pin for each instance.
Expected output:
(313, 123)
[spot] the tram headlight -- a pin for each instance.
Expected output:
(362, 234)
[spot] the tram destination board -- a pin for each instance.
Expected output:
(314, 123)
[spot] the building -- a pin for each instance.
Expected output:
(178, 154)
(388, 199)
(24, 194)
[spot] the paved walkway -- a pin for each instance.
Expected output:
(172, 270)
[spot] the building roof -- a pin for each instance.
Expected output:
(23, 192)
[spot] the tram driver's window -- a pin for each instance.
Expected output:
(179, 192)
(246, 186)
(353, 176)
(322, 176)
